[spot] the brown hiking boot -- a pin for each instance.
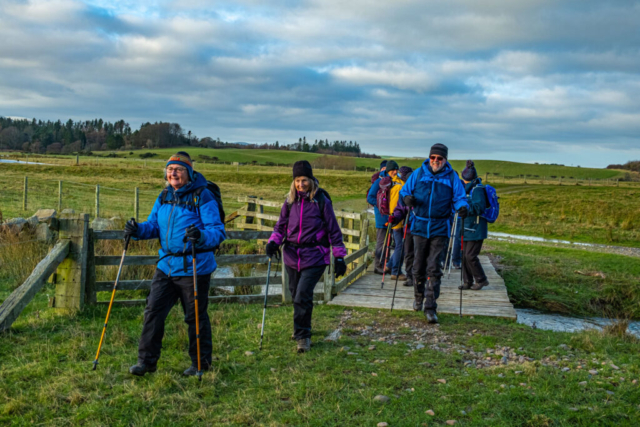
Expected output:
(387, 270)
(400, 277)
(465, 287)
(478, 286)
(304, 345)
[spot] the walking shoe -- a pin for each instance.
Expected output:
(431, 316)
(479, 285)
(400, 277)
(140, 369)
(465, 286)
(409, 282)
(417, 304)
(304, 345)
(387, 270)
(378, 271)
(193, 370)
(456, 266)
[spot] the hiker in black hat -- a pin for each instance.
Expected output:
(475, 230)
(381, 220)
(432, 191)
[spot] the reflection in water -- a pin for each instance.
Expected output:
(556, 322)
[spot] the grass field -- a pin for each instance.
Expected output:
(50, 381)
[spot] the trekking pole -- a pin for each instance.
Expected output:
(195, 297)
(386, 250)
(264, 309)
(461, 269)
(400, 267)
(113, 294)
(447, 260)
(453, 236)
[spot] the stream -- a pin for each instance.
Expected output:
(559, 323)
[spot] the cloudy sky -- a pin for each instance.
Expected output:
(546, 80)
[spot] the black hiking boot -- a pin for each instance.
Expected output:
(139, 369)
(431, 316)
(304, 345)
(480, 285)
(417, 303)
(377, 271)
(193, 370)
(408, 282)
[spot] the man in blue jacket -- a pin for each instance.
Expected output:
(185, 213)
(432, 190)
(381, 221)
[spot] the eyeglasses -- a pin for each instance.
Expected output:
(436, 158)
(178, 169)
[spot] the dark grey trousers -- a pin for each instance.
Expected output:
(472, 269)
(165, 291)
(301, 284)
(426, 264)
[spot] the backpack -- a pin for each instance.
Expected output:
(374, 177)
(195, 201)
(383, 198)
(493, 206)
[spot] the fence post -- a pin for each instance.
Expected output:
(24, 194)
(525, 179)
(136, 205)
(77, 159)
(617, 182)
(286, 294)
(72, 272)
(251, 207)
(560, 181)
(59, 196)
(97, 201)
(260, 220)
(90, 297)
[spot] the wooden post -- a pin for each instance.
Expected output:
(136, 204)
(286, 294)
(72, 272)
(525, 179)
(260, 220)
(59, 196)
(617, 182)
(24, 194)
(560, 181)
(97, 201)
(251, 207)
(90, 297)
(77, 159)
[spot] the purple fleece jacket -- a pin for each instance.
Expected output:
(303, 223)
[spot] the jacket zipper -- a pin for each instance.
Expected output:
(300, 230)
(173, 206)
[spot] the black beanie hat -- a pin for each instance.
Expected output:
(302, 168)
(439, 150)
(383, 164)
(405, 172)
(392, 166)
(469, 173)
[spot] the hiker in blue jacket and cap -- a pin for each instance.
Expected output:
(185, 212)
(475, 230)
(432, 190)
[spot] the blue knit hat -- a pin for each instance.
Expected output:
(383, 164)
(183, 159)
(469, 173)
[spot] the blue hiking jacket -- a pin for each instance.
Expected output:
(381, 220)
(169, 221)
(436, 194)
(477, 199)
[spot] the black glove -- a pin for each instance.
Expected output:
(193, 233)
(410, 201)
(131, 228)
(340, 267)
(273, 249)
(463, 212)
(394, 220)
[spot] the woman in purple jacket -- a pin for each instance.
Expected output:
(307, 228)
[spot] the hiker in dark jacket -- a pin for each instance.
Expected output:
(475, 230)
(432, 191)
(308, 229)
(381, 223)
(186, 209)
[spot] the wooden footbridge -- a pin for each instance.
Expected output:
(491, 301)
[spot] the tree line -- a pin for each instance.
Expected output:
(57, 137)
(632, 165)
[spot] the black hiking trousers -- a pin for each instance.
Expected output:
(165, 292)
(301, 284)
(426, 264)
(472, 269)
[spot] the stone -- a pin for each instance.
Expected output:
(563, 347)
(372, 347)
(593, 372)
(610, 393)
(566, 369)
(43, 233)
(102, 224)
(634, 382)
(15, 224)
(451, 422)
(68, 211)
(614, 367)
(442, 381)
(273, 369)
(334, 336)
(351, 353)
(505, 360)
(582, 383)
(382, 424)
(373, 374)
(45, 214)
(430, 412)
(248, 353)
(32, 222)
(381, 398)
(419, 347)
